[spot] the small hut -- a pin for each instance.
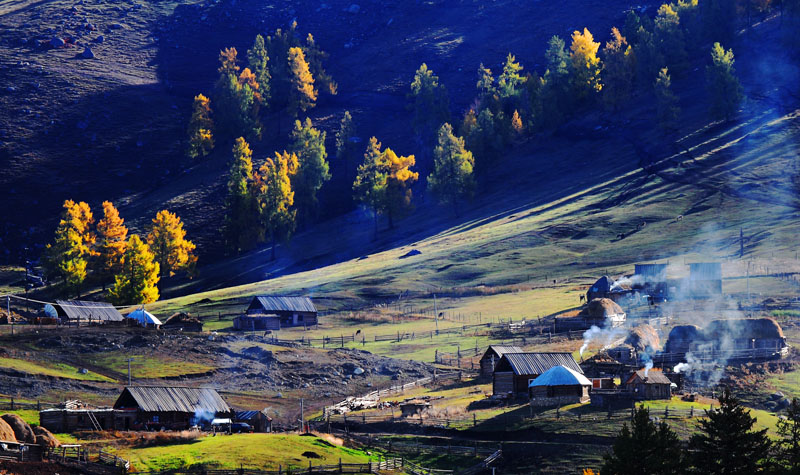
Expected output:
(183, 322)
(82, 312)
(258, 420)
(492, 356)
(649, 384)
(293, 311)
(558, 386)
(599, 289)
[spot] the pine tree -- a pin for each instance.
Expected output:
(136, 282)
(74, 243)
(241, 220)
(201, 136)
(556, 94)
(516, 124)
(534, 85)
(510, 84)
(346, 144)
(308, 143)
(398, 184)
(315, 57)
(275, 197)
(167, 240)
(302, 94)
(278, 49)
(452, 178)
(484, 140)
(258, 62)
(585, 64)
(111, 243)
(235, 98)
(430, 103)
(669, 38)
(788, 444)
(369, 187)
(649, 59)
(726, 441)
(667, 109)
(645, 448)
(723, 85)
(619, 70)
(719, 20)
(227, 62)
(487, 91)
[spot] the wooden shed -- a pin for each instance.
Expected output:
(65, 420)
(559, 386)
(492, 356)
(81, 312)
(292, 311)
(705, 279)
(259, 420)
(515, 371)
(256, 322)
(649, 384)
(153, 407)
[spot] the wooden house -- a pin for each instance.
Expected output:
(559, 386)
(66, 420)
(705, 279)
(153, 407)
(492, 356)
(649, 384)
(258, 420)
(651, 279)
(256, 322)
(292, 311)
(81, 312)
(515, 371)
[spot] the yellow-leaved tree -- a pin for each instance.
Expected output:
(68, 255)
(111, 243)
(167, 240)
(275, 196)
(302, 94)
(201, 136)
(585, 63)
(398, 184)
(136, 282)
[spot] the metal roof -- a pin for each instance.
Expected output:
(560, 376)
(286, 304)
(246, 415)
(653, 377)
(83, 310)
(538, 363)
(178, 399)
(501, 350)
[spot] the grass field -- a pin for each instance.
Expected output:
(258, 451)
(58, 370)
(149, 366)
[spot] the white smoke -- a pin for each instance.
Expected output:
(629, 281)
(647, 367)
(682, 367)
(605, 336)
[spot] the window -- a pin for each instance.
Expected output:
(155, 418)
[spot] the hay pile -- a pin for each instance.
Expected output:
(45, 437)
(644, 338)
(6, 432)
(181, 318)
(22, 431)
(601, 308)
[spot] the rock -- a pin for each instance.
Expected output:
(776, 396)
(782, 404)
(83, 371)
(57, 42)
(358, 371)
(87, 53)
(116, 26)
(11, 89)
(413, 252)
(100, 39)
(354, 8)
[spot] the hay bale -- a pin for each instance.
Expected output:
(601, 309)
(6, 432)
(45, 438)
(644, 338)
(22, 431)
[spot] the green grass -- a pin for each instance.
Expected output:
(259, 451)
(31, 416)
(149, 367)
(58, 370)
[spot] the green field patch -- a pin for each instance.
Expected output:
(58, 370)
(258, 451)
(149, 367)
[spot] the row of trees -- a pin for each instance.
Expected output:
(107, 251)
(283, 75)
(726, 442)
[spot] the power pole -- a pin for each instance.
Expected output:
(129, 371)
(8, 311)
(302, 418)
(741, 243)
(436, 314)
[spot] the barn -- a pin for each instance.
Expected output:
(515, 371)
(651, 279)
(646, 385)
(705, 279)
(254, 322)
(153, 407)
(559, 386)
(492, 356)
(292, 311)
(600, 289)
(82, 312)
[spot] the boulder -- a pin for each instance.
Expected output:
(87, 53)
(22, 431)
(45, 437)
(776, 396)
(57, 42)
(6, 432)
(100, 39)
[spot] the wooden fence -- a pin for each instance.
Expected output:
(355, 468)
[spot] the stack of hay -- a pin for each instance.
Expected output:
(14, 429)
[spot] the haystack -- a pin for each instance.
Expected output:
(643, 337)
(181, 318)
(758, 328)
(22, 431)
(6, 432)
(45, 437)
(601, 309)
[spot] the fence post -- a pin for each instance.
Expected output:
(12, 403)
